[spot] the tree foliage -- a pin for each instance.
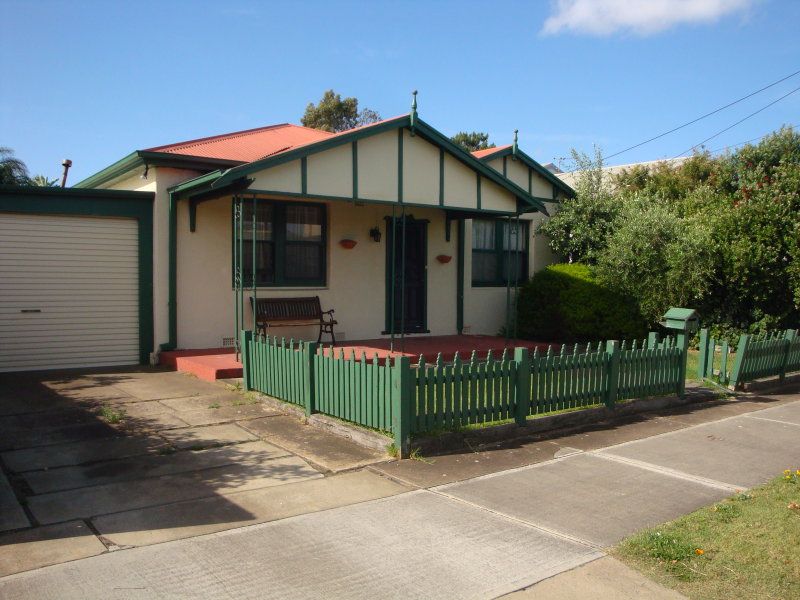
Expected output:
(580, 229)
(473, 140)
(334, 113)
(43, 181)
(719, 234)
(12, 170)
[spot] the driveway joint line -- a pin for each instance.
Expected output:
(773, 420)
(721, 485)
(696, 426)
(506, 516)
(508, 471)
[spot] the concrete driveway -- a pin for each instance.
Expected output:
(534, 516)
(95, 461)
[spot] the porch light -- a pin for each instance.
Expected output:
(348, 244)
(444, 258)
(375, 234)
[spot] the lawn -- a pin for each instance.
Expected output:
(747, 546)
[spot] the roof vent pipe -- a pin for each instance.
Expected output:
(66, 163)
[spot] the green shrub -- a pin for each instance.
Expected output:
(566, 303)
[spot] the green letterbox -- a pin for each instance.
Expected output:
(681, 319)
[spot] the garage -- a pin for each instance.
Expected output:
(75, 279)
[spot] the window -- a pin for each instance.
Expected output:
(499, 248)
(290, 243)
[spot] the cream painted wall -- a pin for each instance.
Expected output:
(355, 283)
(159, 179)
(485, 307)
(286, 178)
(420, 171)
(330, 173)
(377, 167)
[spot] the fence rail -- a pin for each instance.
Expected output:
(771, 354)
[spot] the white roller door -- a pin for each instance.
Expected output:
(68, 292)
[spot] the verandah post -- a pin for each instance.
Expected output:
(702, 360)
(245, 339)
(788, 338)
(613, 351)
(402, 396)
(309, 387)
(523, 385)
(741, 350)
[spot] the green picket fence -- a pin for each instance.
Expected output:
(353, 389)
(403, 399)
(650, 368)
(447, 395)
(771, 354)
(277, 367)
(568, 380)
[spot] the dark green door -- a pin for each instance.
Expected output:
(407, 299)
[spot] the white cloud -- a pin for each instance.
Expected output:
(642, 17)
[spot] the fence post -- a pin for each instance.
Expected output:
(246, 354)
(523, 385)
(788, 336)
(309, 388)
(741, 350)
(653, 338)
(613, 351)
(682, 341)
(402, 397)
(702, 359)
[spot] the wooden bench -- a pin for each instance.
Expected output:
(293, 312)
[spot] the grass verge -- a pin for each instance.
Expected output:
(747, 546)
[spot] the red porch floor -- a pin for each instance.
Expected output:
(221, 363)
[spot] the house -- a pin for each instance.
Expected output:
(457, 230)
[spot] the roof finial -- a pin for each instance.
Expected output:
(413, 111)
(514, 146)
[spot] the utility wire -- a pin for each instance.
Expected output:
(752, 114)
(761, 137)
(713, 112)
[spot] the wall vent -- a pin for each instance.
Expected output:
(227, 342)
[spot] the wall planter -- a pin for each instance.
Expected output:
(348, 244)
(444, 258)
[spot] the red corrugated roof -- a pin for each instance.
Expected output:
(488, 151)
(248, 145)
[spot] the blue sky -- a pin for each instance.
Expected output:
(92, 81)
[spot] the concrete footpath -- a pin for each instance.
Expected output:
(532, 520)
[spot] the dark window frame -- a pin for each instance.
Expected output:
(500, 254)
(279, 244)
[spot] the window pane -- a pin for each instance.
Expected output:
(518, 263)
(264, 220)
(304, 262)
(304, 223)
(483, 235)
(484, 267)
(513, 235)
(265, 272)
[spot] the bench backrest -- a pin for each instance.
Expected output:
(287, 309)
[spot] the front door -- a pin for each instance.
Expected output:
(406, 300)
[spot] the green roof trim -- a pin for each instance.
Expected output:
(420, 128)
(140, 158)
(530, 162)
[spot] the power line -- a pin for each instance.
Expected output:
(752, 114)
(761, 137)
(713, 112)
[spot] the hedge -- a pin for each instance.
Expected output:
(565, 303)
